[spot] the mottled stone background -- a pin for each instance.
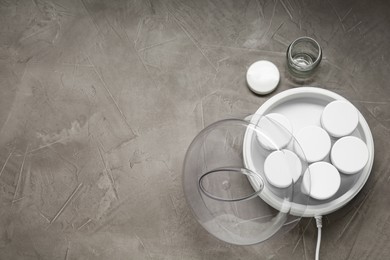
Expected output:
(100, 100)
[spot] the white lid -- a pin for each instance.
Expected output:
(262, 77)
(314, 142)
(339, 118)
(321, 180)
(281, 168)
(276, 129)
(349, 154)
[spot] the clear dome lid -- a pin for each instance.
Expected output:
(242, 182)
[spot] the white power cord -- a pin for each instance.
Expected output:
(319, 226)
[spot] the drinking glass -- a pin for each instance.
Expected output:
(303, 56)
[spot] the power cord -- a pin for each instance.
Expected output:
(319, 226)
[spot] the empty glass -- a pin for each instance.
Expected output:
(303, 56)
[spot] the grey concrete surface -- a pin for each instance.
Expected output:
(100, 100)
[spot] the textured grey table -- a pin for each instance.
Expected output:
(100, 100)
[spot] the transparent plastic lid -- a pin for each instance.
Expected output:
(242, 182)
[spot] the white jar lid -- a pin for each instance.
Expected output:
(314, 142)
(321, 181)
(349, 154)
(339, 118)
(281, 168)
(277, 131)
(262, 77)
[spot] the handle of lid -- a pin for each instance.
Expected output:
(255, 178)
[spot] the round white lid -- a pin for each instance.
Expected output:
(277, 131)
(339, 118)
(349, 154)
(314, 142)
(262, 77)
(281, 168)
(321, 180)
